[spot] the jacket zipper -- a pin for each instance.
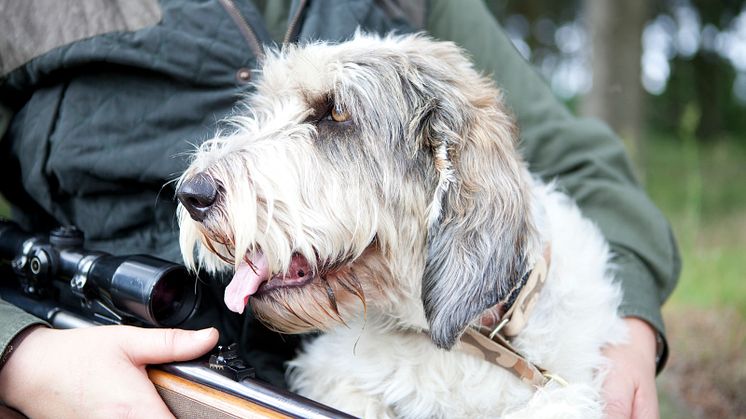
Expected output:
(243, 27)
(294, 22)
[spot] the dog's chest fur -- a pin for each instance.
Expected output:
(372, 369)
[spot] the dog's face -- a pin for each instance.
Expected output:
(377, 173)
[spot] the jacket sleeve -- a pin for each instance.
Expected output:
(585, 158)
(13, 321)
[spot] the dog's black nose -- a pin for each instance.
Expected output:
(197, 195)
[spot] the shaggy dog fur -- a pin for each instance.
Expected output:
(373, 191)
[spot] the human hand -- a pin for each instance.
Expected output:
(95, 372)
(629, 388)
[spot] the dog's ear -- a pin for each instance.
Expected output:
(480, 229)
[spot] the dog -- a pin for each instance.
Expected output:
(372, 190)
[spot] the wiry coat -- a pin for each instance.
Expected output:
(416, 214)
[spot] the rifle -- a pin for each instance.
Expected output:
(68, 286)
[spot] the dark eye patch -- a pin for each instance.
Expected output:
(320, 106)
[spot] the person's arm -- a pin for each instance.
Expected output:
(588, 162)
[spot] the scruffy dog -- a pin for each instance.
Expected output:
(372, 190)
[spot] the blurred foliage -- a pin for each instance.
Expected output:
(705, 78)
(695, 157)
(698, 187)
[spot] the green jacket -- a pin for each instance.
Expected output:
(103, 120)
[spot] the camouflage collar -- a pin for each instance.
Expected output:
(492, 343)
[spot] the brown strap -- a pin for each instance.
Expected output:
(503, 355)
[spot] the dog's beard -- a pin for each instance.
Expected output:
(330, 290)
(331, 297)
(343, 271)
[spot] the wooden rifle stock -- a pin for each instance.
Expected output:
(187, 399)
(193, 391)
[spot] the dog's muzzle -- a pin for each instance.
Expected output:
(198, 194)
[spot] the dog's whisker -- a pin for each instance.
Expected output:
(333, 302)
(356, 289)
(284, 323)
(315, 322)
(321, 307)
(211, 246)
(331, 296)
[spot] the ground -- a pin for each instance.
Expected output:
(706, 373)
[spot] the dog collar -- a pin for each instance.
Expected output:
(493, 344)
(520, 301)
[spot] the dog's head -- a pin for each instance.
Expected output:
(379, 171)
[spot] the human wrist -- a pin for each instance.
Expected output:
(644, 338)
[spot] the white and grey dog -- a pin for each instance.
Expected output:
(372, 190)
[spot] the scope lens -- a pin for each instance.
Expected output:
(168, 297)
(155, 291)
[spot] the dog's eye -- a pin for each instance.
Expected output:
(339, 114)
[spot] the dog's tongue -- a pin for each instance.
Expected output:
(245, 282)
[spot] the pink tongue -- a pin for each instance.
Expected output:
(245, 282)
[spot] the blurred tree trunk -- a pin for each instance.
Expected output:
(713, 76)
(712, 85)
(615, 28)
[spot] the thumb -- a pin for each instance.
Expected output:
(158, 346)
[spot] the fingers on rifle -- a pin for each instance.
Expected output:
(156, 346)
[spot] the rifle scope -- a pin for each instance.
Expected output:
(152, 290)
